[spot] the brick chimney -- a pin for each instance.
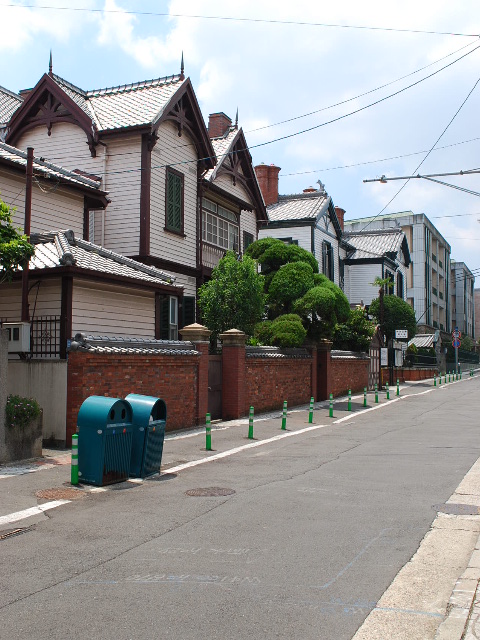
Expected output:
(267, 176)
(218, 124)
(310, 190)
(341, 216)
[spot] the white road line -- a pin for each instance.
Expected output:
(251, 445)
(33, 511)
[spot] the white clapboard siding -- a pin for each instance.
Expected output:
(320, 236)
(358, 279)
(52, 208)
(173, 150)
(122, 181)
(66, 146)
(225, 182)
(44, 300)
(189, 283)
(248, 223)
(113, 311)
(303, 235)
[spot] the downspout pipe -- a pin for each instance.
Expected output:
(26, 230)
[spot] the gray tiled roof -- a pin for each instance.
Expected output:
(369, 244)
(9, 103)
(275, 352)
(61, 248)
(12, 154)
(120, 344)
(300, 206)
(129, 105)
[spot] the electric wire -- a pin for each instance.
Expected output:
(427, 155)
(239, 19)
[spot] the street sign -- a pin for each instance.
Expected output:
(383, 357)
(401, 334)
(456, 343)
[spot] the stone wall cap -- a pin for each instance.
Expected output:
(195, 333)
(233, 338)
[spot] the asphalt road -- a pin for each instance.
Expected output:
(314, 529)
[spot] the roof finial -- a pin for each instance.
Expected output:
(182, 69)
(236, 120)
(50, 65)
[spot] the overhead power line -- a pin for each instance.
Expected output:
(426, 156)
(239, 19)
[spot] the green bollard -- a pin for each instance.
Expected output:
(440, 379)
(445, 377)
(74, 472)
(376, 394)
(364, 396)
(250, 424)
(330, 411)
(460, 374)
(349, 408)
(284, 415)
(208, 433)
(398, 387)
(449, 376)
(434, 380)
(388, 391)
(310, 411)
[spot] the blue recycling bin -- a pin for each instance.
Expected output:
(104, 440)
(149, 421)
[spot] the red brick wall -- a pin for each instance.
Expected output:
(172, 378)
(348, 373)
(270, 381)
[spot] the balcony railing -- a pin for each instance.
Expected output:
(211, 255)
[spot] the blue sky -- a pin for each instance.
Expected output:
(274, 72)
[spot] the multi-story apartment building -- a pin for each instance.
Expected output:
(428, 276)
(462, 283)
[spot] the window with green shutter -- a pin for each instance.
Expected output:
(174, 201)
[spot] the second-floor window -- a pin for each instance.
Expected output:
(219, 226)
(174, 201)
(400, 284)
(327, 260)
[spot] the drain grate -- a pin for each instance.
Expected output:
(60, 493)
(14, 532)
(210, 492)
(458, 509)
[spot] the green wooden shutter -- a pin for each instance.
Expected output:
(188, 310)
(174, 201)
(164, 317)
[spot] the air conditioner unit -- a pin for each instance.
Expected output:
(18, 336)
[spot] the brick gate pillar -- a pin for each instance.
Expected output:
(199, 336)
(324, 348)
(233, 374)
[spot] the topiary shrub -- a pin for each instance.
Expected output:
(288, 331)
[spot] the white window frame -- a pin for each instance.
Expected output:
(220, 226)
(173, 318)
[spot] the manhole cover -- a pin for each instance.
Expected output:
(61, 493)
(210, 492)
(458, 509)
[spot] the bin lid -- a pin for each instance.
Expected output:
(146, 409)
(101, 410)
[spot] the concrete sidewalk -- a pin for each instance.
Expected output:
(441, 578)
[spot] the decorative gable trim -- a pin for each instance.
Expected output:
(184, 111)
(237, 164)
(46, 105)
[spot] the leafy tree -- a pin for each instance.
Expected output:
(397, 313)
(233, 298)
(356, 333)
(289, 283)
(15, 250)
(467, 343)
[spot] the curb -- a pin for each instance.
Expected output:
(462, 601)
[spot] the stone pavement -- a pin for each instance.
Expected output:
(441, 578)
